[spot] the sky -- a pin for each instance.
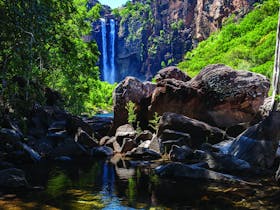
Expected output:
(113, 3)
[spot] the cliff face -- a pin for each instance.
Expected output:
(157, 33)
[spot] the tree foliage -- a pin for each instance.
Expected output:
(41, 42)
(248, 44)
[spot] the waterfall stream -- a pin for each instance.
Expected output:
(112, 50)
(109, 68)
(104, 50)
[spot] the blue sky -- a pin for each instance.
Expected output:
(113, 3)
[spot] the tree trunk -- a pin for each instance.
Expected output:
(276, 71)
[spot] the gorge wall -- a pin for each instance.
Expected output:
(152, 34)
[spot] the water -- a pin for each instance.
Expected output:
(104, 50)
(112, 50)
(123, 184)
(109, 67)
(107, 115)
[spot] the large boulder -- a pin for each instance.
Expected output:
(131, 89)
(258, 144)
(198, 132)
(218, 95)
(172, 72)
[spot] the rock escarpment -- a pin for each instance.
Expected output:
(154, 34)
(159, 33)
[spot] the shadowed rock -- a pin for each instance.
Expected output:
(199, 132)
(180, 170)
(259, 143)
(12, 178)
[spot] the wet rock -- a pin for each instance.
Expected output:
(143, 154)
(143, 136)
(102, 151)
(172, 72)
(218, 95)
(180, 154)
(199, 132)
(128, 145)
(12, 178)
(258, 144)
(180, 170)
(83, 138)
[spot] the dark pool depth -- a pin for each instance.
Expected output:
(100, 184)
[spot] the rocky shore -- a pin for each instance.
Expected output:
(211, 127)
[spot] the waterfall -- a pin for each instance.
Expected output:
(112, 50)
(104, 50)
(109, 67)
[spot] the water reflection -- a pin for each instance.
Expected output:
(117, 184)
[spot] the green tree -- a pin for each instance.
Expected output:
(41, 41)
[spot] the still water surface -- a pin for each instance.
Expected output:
(100, 184)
